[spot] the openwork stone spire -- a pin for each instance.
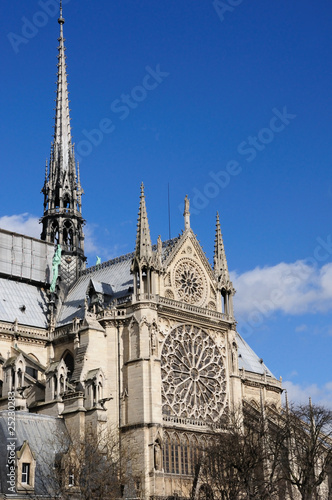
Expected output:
(221, 273)
(143, 248)
(145, 261)
(62, 135)
(220, 262)
(62, 220)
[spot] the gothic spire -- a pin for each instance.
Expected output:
(62, 220)
(220, 263)
(62, 134)
(143, 248)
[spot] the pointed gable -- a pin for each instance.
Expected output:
(189, 277)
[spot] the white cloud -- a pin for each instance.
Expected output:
(29, 225)
(22, 223)
(300, 394)
(90, 244)
(301, 328)
(294, 288)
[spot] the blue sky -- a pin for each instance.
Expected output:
(237, 116)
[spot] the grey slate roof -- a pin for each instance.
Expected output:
(24, 257)
(249, 360)
(104, 288)
(47, 437)
(24, 302)
(115, 273)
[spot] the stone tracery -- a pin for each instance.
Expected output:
(189, 282)
(193, 375)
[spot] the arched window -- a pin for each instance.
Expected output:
(180, 453)
(66, 201)
(175, 452)
(166, 453)
(68, 235)
(55, 381)
(184, 452)
(62, 386)
(193, 454)
(54, 233)
(69, 360)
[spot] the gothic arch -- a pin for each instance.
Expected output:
(66, 200)
(33, 357)
(68, 358)
(54, 232)
(181, 452)
(94, 387)
(184, 453)
(68, 235)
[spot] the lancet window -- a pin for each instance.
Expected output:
(180, 453)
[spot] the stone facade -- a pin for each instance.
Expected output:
(145, 343)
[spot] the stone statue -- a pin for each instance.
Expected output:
(153, 341)
(98, 261)
(186, 212)
(157, 456)
(55, 268)
(186, 204)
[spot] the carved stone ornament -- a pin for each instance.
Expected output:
(193, 375)
(189, 282)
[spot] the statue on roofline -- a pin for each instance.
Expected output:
(55, 268)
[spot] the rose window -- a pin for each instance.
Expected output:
(189, 282)
(193, 375)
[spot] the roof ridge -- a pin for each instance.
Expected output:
(123, 258)
(107, 263)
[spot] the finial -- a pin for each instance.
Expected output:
(143, 239)
(186, 213)
(61, 19)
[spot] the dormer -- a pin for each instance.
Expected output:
(14, 371)
(98, 293)
(56, 380)
(26, 468)
(94, 388)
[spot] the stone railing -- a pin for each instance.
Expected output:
(190, 308)
(26, 331)
(163, 301)
(260, 379)
(188, 421)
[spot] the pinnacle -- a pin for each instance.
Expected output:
(143, 239)
(220, 262)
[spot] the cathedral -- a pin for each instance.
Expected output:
(144, 344)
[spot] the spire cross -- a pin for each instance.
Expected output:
(61, 19)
